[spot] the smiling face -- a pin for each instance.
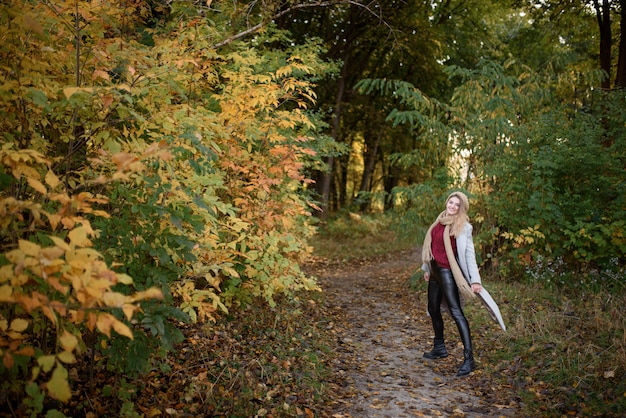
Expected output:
(453, 205)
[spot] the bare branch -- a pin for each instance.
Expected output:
(261, 24)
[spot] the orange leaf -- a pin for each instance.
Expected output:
(29, 303)
(129, 310)
(51, 179)
(91, 320)
(122, 329)
(49, 313)
(104, 323)
(7, 360)
(31, 24)
(26, 351)
(123, 159)
(37, 185)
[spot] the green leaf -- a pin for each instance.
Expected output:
(58, 386)
(46, 362)
(55, 414)
(38, 97)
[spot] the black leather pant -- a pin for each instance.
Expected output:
(442, 285)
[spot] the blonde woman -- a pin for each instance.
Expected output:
(451, 270)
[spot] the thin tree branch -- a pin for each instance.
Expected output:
(261, 24)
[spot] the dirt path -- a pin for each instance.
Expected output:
(381, 331)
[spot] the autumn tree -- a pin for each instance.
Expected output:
(150, 178)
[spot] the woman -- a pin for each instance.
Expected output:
(451, 272)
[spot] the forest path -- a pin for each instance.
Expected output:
(382, 330)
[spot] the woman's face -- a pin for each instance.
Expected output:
(453, 205)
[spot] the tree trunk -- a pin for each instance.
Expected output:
(341, 181)
(620, 77)
(327, 178)
(603, 14)
(371, 155)
(323, 188)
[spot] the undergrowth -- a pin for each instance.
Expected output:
(354, 236)
(564, 350)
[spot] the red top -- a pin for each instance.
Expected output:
(438, 247)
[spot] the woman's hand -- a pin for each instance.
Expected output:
(476, 287)
(426, 276)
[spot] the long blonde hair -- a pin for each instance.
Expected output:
(461, 218)
(456, 223)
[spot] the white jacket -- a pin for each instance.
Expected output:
(466, 255)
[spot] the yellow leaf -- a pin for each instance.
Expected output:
(29, 248)
(4, 325)
(122, 329)
(124, 278)
(69, 91)
(68, 341)
(6, 273)
(6, 293)
(78, 237)
(51, 179)
(60, 243)
(152, 293)
(58, 386)
(20, 280)
(101, 213)
(19, 325)
(13, 335)
(114, 299)
(46, 362)
(48, 255)
(54, 220)
(37, 185)
(66, 357)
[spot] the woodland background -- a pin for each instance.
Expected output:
(166, 163)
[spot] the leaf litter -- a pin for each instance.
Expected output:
(353, 351)
(381, 330)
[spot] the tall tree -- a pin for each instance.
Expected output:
(603, 15)
(394, 40)
(620, 76)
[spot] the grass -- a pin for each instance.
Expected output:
(565, 352)
(355, 236)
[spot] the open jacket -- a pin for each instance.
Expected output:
(466, 255)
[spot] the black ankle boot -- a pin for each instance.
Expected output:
(438, 351)
(468, 363)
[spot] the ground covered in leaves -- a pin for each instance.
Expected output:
(353, 350)
(381, 330)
